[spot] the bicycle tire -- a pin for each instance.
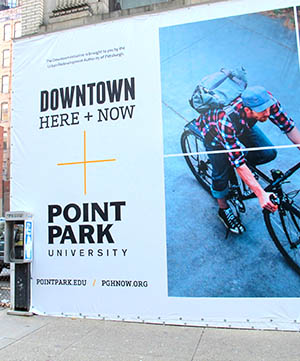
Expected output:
(284, 229)
(199, 164)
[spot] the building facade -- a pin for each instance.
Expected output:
(10, 28)
(42, 16)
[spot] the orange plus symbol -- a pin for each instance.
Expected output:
(85, 162)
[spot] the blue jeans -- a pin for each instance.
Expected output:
(251, 138)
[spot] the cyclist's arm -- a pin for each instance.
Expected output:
(294, 136)
(264, 197)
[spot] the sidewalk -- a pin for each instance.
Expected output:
(41, 338)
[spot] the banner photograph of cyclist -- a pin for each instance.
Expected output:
(230, 84)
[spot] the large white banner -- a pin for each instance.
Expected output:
(122, 229)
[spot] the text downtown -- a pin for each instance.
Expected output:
(101, 92)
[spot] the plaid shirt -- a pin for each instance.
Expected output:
(226, 135)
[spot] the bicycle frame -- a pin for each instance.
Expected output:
(283, 225)
(277, 181)
(274, 186)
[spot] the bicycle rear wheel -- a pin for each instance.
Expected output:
(284, 228)
(199, 164)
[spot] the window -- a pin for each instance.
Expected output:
(5, 58)
(5, 138)
(129, 4)
(17, 30)
(4, 170)
(7, 32)
(5, 84)
(12, 3)
(4, 112)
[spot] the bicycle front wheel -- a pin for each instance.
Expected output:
(284, 228)
(199, 164)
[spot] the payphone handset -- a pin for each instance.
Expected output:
(17, 249)
(18, 237)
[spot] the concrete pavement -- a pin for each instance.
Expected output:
(41, 338)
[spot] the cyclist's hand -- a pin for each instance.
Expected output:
(266, 202)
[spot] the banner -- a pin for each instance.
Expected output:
(103, 157)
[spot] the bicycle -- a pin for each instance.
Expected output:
(283, 225)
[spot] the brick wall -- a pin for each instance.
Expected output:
(1, 172)
(10, 21)
(32, 16)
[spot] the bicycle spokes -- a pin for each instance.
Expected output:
(284, 228)
(198, 162)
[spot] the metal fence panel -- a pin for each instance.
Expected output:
(5, 288)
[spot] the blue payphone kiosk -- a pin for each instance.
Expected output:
(18, 251)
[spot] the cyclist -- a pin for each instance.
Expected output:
(232, 127)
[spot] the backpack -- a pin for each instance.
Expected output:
(219, 89)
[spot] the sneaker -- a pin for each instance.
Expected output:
(231, 222)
